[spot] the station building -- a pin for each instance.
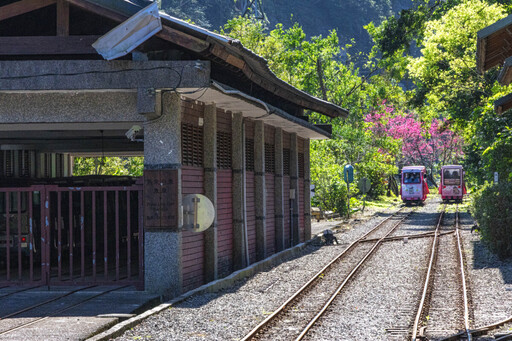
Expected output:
(494, 48)
(208, 116)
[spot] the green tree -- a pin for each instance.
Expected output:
(315, 65)
(131, 166)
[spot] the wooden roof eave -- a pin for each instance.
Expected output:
(505, 76)
(256, 69)
(169, 34)
(203, 42)
(21, 7)
(503, 104)
(503, 26)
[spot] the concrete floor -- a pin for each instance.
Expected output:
(66, 313)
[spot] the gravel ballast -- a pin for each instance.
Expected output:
(379, 306)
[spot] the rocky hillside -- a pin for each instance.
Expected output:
(317, 17)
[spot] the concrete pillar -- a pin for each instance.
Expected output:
(294, 186)
(237, 164)
(307, 192)
(278, 190)
(210, 189)
(162, 199)
(260, 189)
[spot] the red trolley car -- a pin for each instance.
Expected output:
(452, 186)
(414, 184)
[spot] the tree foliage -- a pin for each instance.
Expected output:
(430, 145)
(315, 66)
(132, 166)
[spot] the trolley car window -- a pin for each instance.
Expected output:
(412, 178)
(451, 177)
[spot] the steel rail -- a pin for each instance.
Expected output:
(60, 311)
(428, 278)
(479, 331)
(463, 276)
(505, 337)
(20, 290)
(44, 302)
(313, 279)
(409, 236)
(342, 285)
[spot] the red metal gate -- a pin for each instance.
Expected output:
(71, 235)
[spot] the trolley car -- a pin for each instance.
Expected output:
(413, 184)
(452, 186)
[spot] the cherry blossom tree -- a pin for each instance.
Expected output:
(429, 145)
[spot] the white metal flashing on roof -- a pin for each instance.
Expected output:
(131, 33)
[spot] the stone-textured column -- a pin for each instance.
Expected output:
(307, 192)
(294, 186)
(210, 189)
(278, 190)
(162, 199)
(237, 165)
(260, 189)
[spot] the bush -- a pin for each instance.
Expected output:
(492, 208)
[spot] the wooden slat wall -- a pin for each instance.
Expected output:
(300, 148)
(225, 221)
(270, 218)
(224, 205)
(249, 129)
(223, 121)
(286, 140)
(286, 213)
(301, 209)
(251, 212)
(191, 112)
(270, 134)
(192, 183)
(192, 243)
(270, 185)
(251, 216)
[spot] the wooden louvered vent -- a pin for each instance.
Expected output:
(60, 165)
(223, 150)
(191, 145)
(301, 165)
(9, 163)
(2, 163)
(249, 155)
(24, 163)
(270, 157)
(47, 165)
(286, 161)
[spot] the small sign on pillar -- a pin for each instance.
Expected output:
(160, 199)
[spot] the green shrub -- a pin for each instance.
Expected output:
(492, 209)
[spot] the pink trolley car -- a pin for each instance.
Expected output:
(414, 186)
(452, 186)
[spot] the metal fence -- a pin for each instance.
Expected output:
(71, 235)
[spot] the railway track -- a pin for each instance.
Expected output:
(49, 308)
(444, 304)
(294, 318)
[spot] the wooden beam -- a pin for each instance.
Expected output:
(43, 45)
(172, 35)
(22, 7)
(182, 39)
(62, 18)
